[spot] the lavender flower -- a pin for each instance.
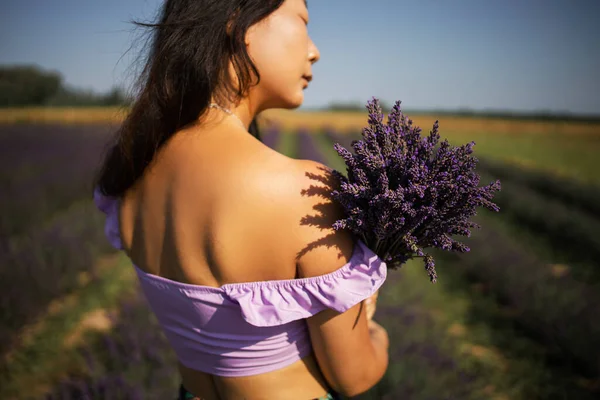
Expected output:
(405, 193)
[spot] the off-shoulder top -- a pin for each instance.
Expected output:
(243, 329)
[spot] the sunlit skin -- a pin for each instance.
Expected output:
(210, 204)
(283, 53)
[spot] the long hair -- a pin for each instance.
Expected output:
(187, 65)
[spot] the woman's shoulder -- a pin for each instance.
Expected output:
(243, 169)
(266, 172)
(284, 181)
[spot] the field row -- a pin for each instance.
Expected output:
(503, 322)
(551, 303)
(291, 120)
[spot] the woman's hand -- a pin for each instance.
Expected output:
(371, 305)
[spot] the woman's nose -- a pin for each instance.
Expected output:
(313, 52)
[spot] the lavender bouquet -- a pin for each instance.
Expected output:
(404, 193)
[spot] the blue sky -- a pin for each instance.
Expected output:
(445, 54)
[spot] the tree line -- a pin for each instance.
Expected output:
(30, 85)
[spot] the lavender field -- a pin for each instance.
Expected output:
(512, 319)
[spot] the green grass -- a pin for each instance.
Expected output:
(44, 356)
(473, 330)
(568, 155)
(335, 161)
(287, 144)
(451, 339)
(468, 326)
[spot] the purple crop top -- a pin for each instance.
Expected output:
(243, 329)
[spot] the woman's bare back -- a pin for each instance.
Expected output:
(195, 217)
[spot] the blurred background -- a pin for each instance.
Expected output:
(516, 318)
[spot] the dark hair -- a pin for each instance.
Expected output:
(186, 66)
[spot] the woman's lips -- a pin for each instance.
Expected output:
(307, 79)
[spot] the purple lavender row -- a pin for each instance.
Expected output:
(572, 231)
(27, 145)
(46, 265)
(422, 363)
(131, 361)
(111, 386)
(307, 148)
(271, 136)
(427, 363)
(420, 359)
(134, 361)
(343, 138)
(49, 184)
(575, 194)
(28, 207)
(402, 391)
(550, 303)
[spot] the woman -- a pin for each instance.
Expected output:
(232, 242)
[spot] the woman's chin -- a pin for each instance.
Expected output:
(299, 99)
(290, 101)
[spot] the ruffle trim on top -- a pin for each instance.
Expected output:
(277, 302)
(273, 303)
